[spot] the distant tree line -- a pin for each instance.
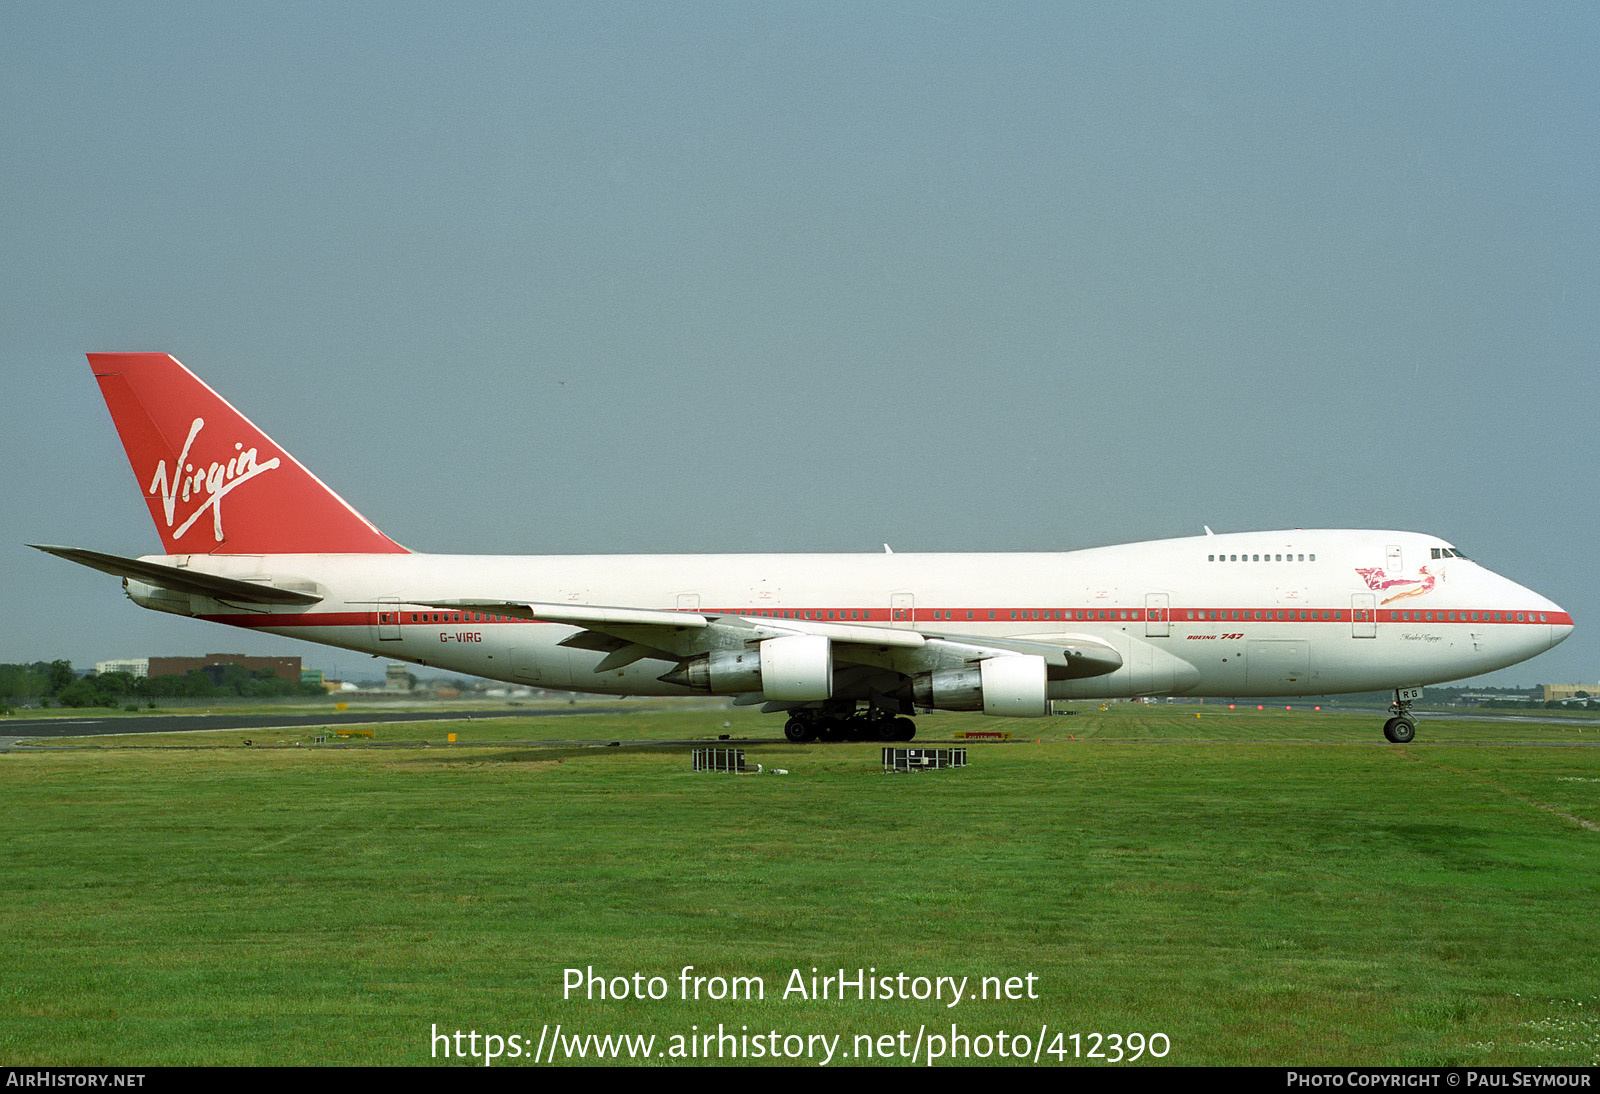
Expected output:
(47, 683)
(1455, 692)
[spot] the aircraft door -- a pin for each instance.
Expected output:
(388, 627)
(1363, 615)
(1157, 622)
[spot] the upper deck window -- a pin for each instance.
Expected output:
(1292, 557)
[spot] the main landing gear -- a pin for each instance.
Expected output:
(1402, 727)
(875, 725)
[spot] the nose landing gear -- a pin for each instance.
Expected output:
(1402, 727)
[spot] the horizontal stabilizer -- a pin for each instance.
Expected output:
(180, 579)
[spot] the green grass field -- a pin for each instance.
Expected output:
(1259, 887)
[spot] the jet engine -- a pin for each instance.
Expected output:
(1009, 687)
(796, 667)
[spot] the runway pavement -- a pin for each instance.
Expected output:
(90, 726)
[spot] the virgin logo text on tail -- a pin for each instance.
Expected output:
(213, 482)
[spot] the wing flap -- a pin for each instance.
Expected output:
(626, 635)
(588, 616)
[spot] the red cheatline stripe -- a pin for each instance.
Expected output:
(1181, 617)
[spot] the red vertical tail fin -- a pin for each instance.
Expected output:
(214, 482)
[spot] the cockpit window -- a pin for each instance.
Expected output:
(1447, 552)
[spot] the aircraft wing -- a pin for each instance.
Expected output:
(631, 634)
(182, 579)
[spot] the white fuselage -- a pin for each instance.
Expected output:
(1259, 613)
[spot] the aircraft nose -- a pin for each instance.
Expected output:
(1560, 629)
(1557, 617)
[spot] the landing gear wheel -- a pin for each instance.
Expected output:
(1402, 727)
(799, 730)
(1400, 731)
(904, 730)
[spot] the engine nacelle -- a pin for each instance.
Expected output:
(1006, 687)
(797, 667)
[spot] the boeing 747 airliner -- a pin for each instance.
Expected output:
(848, 646)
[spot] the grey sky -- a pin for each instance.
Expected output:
(726, 276)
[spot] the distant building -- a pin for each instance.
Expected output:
(397, 678)
(133, 666)
(212, 664)
(1570, 691)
